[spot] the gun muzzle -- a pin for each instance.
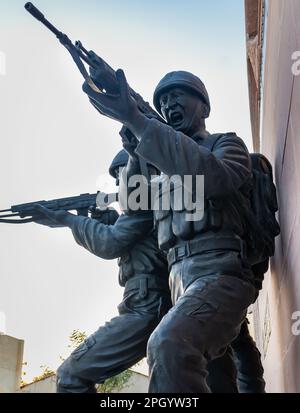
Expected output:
(34, 11)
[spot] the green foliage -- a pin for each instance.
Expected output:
(110, 385)
(23, 382)
(115, 383)
(76, 338)
(47, 372)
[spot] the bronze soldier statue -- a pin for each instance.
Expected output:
(211, 280)
(214, 274)
(122, 345)
(143, 273)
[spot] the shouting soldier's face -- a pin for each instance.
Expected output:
(183, 110)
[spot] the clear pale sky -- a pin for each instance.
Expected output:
(54, 144)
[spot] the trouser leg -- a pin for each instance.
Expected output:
(117, 345)
(203, 322)
(113, 348)
(248, 361)
(222, 374)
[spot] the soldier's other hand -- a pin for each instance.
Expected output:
(107, 216)
(50, 218)
(83, 212)
(129, 141)
(121, 107)
(95, 212)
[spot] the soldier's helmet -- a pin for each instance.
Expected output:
(119, 160)
(184, 80)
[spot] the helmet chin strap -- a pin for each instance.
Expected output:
(188, 130)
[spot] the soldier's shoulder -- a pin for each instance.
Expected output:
(229, 138)
(228, 135)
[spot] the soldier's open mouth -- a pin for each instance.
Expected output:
(176, 118)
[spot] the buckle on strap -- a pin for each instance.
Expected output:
(180, 252)
(143, 290)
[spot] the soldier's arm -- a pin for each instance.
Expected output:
(173, 152)
(110, 241)
(225, 169)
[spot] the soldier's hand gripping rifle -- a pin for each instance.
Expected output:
(108, 82)
(19, 214)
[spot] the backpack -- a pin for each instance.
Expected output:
(264, 207)
(261, 226)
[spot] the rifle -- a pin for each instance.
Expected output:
(108, 84)
(18, 213)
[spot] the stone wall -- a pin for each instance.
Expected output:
(11, 358)
(280, 142)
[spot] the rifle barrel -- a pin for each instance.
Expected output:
(34, 11)
(10, 215)
(16, 221)
(79, 54)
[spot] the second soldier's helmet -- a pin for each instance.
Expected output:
(182, 79)
(119, 160)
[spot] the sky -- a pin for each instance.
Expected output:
(54, 144)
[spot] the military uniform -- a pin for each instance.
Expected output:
(240, 369)
(248, 361)
(122, 341)
(210, 279)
